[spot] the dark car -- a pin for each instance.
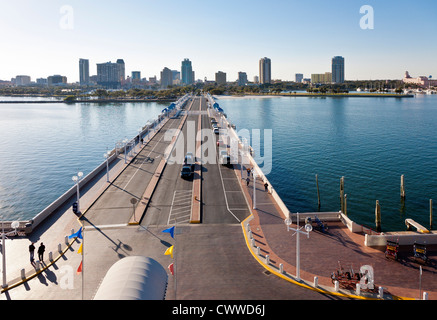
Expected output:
(186, 171)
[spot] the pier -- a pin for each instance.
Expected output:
(230, 239)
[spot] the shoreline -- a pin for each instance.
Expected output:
(320, 95)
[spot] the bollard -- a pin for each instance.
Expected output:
(336, 286)
(358, 289)
(248, 226)
(316, 281)
(59, 248)
(281, 268)
(253, 242)
(50, 256)
(72, 231)
(23, 274)
(381, 292)
(425, 296)
(66, 240)
(257, 250)
(267, 259)
(250, 234)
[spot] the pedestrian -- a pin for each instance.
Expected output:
(248, 171)
(32, 252)
(41, 250)
(247, 181)
(266, 185)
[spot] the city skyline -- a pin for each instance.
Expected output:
(51, 37)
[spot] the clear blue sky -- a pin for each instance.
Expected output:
(230, 36)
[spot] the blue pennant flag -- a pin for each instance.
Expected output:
(170, 230)
(77, 234)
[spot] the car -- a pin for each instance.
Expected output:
(189, 159)
(186, 171)
(216, 131)
(224, 158)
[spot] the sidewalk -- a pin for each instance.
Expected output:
(321, 253)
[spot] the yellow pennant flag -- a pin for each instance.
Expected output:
(169, 251)
(80, 249)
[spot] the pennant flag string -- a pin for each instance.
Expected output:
(169, 251)
(170, 230)
(76, 234)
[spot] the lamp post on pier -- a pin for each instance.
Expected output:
(308, 228)
(106, 156)
(77, 179)
(14, 225)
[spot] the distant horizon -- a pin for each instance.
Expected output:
(47, 38)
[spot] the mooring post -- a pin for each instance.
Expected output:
(345, 204)
(378, 216)
(318, 193)
(430, 214)
(342, 194)
(402, 187)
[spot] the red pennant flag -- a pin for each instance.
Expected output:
(79, 270)
(171, 268)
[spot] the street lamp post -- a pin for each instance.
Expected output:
(106, 156)
(308, 229)
(125, 144)
(14, 225)
(254, 189)
(77, 179)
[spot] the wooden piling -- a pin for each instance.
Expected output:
(430, 214)
(402, 187)
(318, 193)
(378, 216)
(345, 204)
(342, 194)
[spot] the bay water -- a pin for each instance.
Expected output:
(369, 141)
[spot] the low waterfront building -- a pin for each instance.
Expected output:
(322, 78)
(421, 81)
(57, 80)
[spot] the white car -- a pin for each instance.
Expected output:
(224, 158)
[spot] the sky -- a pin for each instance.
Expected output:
(47, 37)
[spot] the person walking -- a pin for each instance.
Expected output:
(248, 172)
(247, 181)
(32, 252)
(266, 185)
(41, 250)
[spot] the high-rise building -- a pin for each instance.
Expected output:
(298, 77)
(338, 69)
(187, 72)
(265, 70)
(84, 71)
(242, 78)
(220, 77)
(166, 78)
(136, 75)
(111, 75)
(122, 70)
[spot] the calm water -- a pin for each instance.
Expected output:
(369, 141)
(43, 145)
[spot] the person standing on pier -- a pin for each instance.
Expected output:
(266, 185)
(41, 250)
(32, 252)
